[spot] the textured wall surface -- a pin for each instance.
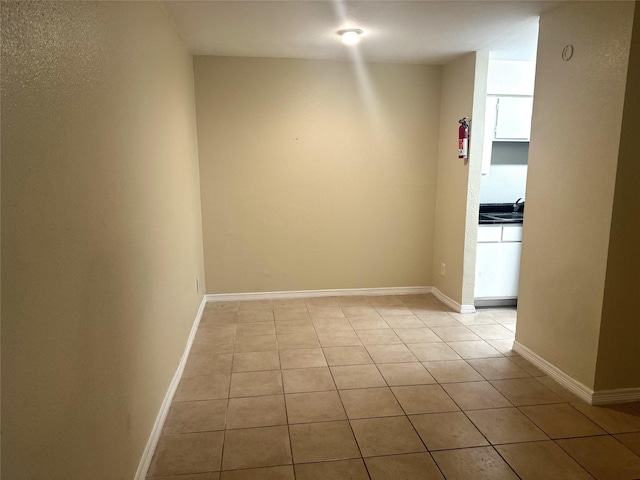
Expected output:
(573, 158)
(453, 178)
(619, 346)
(316, 174)
(101, 232)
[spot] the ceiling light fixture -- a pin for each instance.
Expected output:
(350, 36)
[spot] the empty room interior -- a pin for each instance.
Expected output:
(288, 240)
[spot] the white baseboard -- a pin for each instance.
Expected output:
(347, 292)
(147, 455)
(570, 383)
(598, 397)
(452, 303)
(620, 395)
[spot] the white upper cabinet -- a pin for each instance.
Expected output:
(513, 122)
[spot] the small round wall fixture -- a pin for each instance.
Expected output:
(350, 36)
(567, 53)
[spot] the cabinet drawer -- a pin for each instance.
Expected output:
(512, 233)
(491, 233)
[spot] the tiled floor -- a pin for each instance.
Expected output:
(391, 387)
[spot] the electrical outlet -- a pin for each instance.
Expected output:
(442, 269)
(197, 285)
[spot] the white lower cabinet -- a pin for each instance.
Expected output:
(498, 261)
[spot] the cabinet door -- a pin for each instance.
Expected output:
(497, 270)
(514, 118)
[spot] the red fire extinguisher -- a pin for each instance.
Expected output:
(463, 138)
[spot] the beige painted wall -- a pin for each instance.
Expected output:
(453, 177)
(571, 178)
(619, 347)
(101, 232)
(316, 174)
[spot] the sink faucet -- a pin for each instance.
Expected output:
(516, 206)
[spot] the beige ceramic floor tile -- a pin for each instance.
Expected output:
(558, 389)
(413, 466)
(207, 364)
(255, 305)
(491, 332)
(315, 442)
(386, 436)
(455, 333)
(255, 328)
(293, 326)
(527, 366)
(187, 453)
(438, 319)
(613, 418)
(441, 431)
(356, 355)
(296, 313)
(256, 315)
(263, 411)
(255, 361)
(561, 420)
(302, 358)
(370, 402)
(392, 310)
(390, 353)
(325, 312)
(384, 336)
(357, 376)
(307, 380)
(405, 374)
(603, 457)
(630, 440)
(339, 339)
(478, 318)
(352, 301)
(383, 300)
(336, 470)
(287, 341)
(424, 399)
(324, 326)
(194, 476)
(251, 384)
(256, 343)
(505, 425)
(189, 417)
(475, 395)
(542, 461)
(526, 391)
(452, 371)
(202, 387)
(368, 323)
(360, 311)
(474, 349)
(431, 352)
(417, 335)
(314, 407)
(256, 447)
(505, 347)
(284, 472)
(481, 463)
(404, 321)
(321, 302)
(497, 368)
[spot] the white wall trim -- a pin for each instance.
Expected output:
(147, 455)
(452, 303)
(347, 292)
(570, 383)
(620, 395)
(598, 397)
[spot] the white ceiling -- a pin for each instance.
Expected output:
(431, 32)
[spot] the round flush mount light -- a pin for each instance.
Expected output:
(350, 36)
